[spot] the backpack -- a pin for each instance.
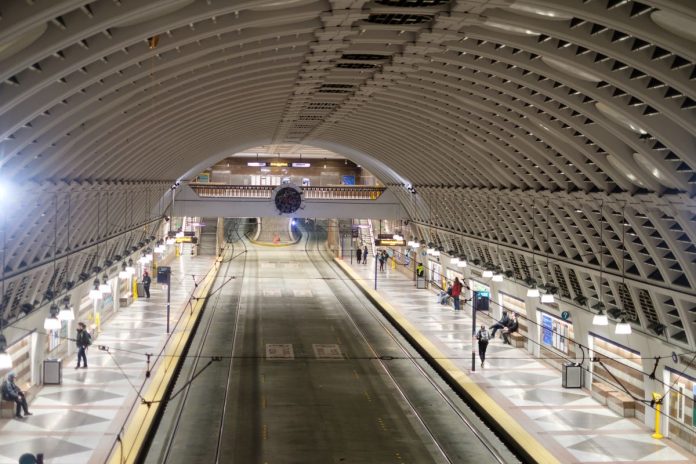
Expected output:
(6, 391)
(87, 338)
(483, 335)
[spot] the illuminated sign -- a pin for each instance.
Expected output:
(301, 165)
(187, 239)
(257, 164)
(279, 164)
(390, 242)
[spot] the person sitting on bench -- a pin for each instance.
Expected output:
(511, 328)
(11, 392)
(501, 324)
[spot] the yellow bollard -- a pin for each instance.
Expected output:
(657, 398)
(135, 289)
(97, 322)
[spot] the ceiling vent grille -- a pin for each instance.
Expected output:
(412, 3)
(357, 66)
(363, 57)
(398, 19)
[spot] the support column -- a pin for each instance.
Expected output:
(533, 332)
(37, 355)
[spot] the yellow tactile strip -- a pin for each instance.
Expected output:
(140, 421)
(496, 417)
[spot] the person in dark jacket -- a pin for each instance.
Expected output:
(83, 339)
(11, 392)
(482, 336)
(146, 284)
(365, 254)
(358, 253)
(510, 328)
(501, 324)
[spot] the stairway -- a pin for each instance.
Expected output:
(208, 240)
(366, 235)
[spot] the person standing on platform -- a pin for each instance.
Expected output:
(482, 336)
(83, 341)
(11, 392)
(358, 253)
(456, 292)
(146, 284)
(365, 254)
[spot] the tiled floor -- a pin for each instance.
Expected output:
(77, 422)
(571, 424)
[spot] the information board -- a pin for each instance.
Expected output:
(547, 326)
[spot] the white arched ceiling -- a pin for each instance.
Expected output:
(581, 111)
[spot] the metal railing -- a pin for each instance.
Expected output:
(265, 191)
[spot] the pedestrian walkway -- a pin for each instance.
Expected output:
(570, 424)
(78, 421)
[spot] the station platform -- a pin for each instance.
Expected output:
(568, 423)
(79, 420)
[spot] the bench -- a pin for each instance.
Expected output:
(621, 403)
(600, 391)
(517, 340)
(7, 408)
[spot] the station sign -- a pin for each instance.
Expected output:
(187, 239)
(390, 242)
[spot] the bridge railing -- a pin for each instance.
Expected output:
(342, 192)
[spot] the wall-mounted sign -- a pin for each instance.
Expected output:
(279, 164)
(547, 325)
(300, 165)
(187, 239)
(390, 242)
(565, 315)
(257, 164)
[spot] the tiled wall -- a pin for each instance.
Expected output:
(627, 368)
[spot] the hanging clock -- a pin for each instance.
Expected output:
(287, 198)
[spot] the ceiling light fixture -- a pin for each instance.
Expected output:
(52, 322)
(66, 313)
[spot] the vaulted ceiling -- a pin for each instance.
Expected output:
(551, 138)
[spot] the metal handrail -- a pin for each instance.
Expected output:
(342, 192)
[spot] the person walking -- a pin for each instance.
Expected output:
(11, 392)
(364, 254)
(146, 284)
(83, 341)
(456, 291)
(482, 336)
(382, 259)
(358, 253)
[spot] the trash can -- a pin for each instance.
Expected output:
(572, 375)
(52, 371)
(141, 290)
(421, 283)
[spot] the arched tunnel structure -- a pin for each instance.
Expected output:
(550, 139)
